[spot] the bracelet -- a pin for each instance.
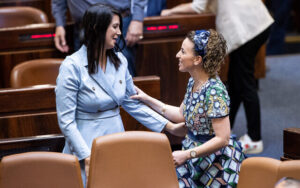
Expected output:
(163, 110)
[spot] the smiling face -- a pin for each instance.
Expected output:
(186, 56)
(113, 32)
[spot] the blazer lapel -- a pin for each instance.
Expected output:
(102, 81)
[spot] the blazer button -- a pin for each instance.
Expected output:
(120, 81)
(93, 88)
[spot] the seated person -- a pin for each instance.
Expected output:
(210, 157)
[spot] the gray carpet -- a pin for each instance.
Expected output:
(279, 96)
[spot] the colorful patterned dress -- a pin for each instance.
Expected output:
(219, 169)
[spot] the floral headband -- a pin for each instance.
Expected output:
(201, 40)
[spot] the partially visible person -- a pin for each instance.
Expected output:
(154, 7)
(210, 156)
(92, 85)
(288, 182)
(132, 13)
(280, 10)
(245, 25)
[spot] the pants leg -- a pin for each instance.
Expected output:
(129, 52)
(234, 90)
(76, 37)
(281, 10)
(242, 84)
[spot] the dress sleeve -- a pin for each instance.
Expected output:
(141, 112)
(67, 86)
(217, 102)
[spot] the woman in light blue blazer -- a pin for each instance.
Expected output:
(92, 85)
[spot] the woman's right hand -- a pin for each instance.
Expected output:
(179, 157)
(166, 12)
(140, 95)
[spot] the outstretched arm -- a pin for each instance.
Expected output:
(197, 6)
(185, 8)
(172, 113)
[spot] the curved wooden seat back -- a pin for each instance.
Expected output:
(35, 72)
(264, 172)
(20, 16)
(132, 159)
(40, 169)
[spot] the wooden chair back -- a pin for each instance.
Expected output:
(132, 159)
(35, 72)
(40, 169)
(20, 16)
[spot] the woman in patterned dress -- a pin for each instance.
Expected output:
(210, 156)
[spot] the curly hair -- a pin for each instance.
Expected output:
(215, 52)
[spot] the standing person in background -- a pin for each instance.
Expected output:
(93, 83)
(210, 156)
(245, 25)
(132, 14)
(281, 10)
(154, 7)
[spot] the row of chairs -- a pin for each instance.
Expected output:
(131, 159)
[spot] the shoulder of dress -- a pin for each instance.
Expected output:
(122, 58)
(78, 59)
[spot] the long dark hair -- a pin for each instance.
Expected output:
(95, 22)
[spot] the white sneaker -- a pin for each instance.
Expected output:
(249, 146)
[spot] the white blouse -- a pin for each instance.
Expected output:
(238, 21)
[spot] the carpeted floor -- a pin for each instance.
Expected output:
(280, 103)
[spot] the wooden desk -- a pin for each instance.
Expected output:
(291, 143)
(28, 119)
(155, 55)
(19, 44)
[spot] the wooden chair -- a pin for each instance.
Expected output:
(263, 172)
(20, 16)
(35, 72)
(291, 142)
(132, 159)
(40, 169)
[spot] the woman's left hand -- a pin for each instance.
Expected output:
(140, 95)
(179, 157)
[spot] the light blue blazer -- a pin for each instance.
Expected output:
(88, 105)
